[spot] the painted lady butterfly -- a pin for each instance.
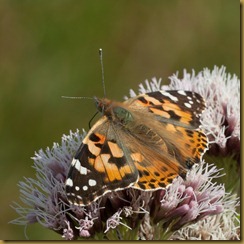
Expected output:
(144, 143)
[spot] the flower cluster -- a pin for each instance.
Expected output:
(178, 212)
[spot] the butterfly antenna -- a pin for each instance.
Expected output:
(101, 62)
(77, 97)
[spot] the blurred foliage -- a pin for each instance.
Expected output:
(230, 172)
(50, 48)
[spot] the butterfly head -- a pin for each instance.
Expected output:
(114, 111)
(102, 104)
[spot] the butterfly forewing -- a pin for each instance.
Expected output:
(176, 107)
(99, 166)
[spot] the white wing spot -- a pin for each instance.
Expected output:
(187, 105)
(77, 188)
(77, 165)
(92, 182)
(167, 94)
(182, 92)
(189, 98)
(69, 182)
(83, 170)
(85, 188)
(73, 161)
(71, 194)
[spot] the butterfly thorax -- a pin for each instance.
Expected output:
(114, 111)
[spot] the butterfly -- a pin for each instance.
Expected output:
(144, 142)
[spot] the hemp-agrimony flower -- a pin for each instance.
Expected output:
(131, 214)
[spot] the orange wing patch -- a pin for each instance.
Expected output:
(93, 143)
(115, 149)
(160, 112)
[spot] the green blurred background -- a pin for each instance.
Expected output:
(50, 48)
